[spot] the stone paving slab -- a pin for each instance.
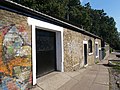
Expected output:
(94, 77)
(99, 87)
(36, 88)
(102, 80)
(71, 74)
(78, 77)
(68, 85)
(54, 82)
(80, 86)
(45, 77)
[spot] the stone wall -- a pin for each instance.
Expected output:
(15, 52)
(107, 51)
(73, 53)
(73, 50)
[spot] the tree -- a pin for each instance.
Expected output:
(92, 20)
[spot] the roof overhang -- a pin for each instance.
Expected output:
(20, 9)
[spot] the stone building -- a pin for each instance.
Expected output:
(33, 44)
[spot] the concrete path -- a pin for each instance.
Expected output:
(94, 77)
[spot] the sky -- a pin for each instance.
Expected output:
(111, 7)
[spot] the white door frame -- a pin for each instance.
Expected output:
(59, 43)
(96, 43)
(85, 42)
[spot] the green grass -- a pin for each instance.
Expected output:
(117, 67)
(96, 62)
(117, 63)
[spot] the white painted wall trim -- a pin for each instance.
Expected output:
(59, 43)
(96, 42)
(85, 42)
(59, 51)
(97, 49)
(86, 65)
(33, 55)
(62, 46)
(44, 25)
(90, 53)
(97, 56)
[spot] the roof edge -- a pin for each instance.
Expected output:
(13, 5)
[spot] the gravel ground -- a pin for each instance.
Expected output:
(114, 78)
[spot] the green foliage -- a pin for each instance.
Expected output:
(92, 20)
(117, 67)
(104, 53)
(96, 62)
(111, 50)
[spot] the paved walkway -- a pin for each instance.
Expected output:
(94, 77)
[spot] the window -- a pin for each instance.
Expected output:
(90, 46)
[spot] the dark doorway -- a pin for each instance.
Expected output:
(96, 46)
(85, 54)
(45, 52)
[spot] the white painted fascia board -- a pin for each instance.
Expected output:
(35, 22)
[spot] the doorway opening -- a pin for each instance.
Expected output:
(85, 54)
(45, 52)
